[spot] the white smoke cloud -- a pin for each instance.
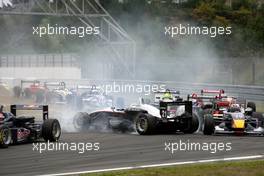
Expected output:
(5, 3)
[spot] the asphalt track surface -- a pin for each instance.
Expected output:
(118, 150)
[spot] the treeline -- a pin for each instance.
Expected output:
(145, 21)
(246, 17)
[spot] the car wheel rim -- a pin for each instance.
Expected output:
(142, 124)
(6, 136)
(56, 130)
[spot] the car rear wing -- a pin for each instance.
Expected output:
(207, 94)
(207, 91)
(44, 108)
(203, 97)
(218, 93)
(29, 81)
(58, 84)
(165, 106)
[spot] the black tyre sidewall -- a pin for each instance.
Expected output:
(47, 130)
(209, 125)
(194, 125)
(80, 116)
(2, 143)
(151, 124)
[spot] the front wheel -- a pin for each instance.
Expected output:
(209, 125)
(145, 124)
(5, 136)
(51, 130)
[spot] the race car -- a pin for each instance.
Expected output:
(220, 110)
(234, 121)
(23, 129)
(58, 93)
(208, 101)
(161, 116)
(90, 98)
(31, 89)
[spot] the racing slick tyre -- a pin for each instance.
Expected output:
(79, 120)
(194, 125)
(5, 136)
(145, 124)
(252, 105)
(209, 125)
(51, 130)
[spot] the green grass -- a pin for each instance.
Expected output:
(239, 168)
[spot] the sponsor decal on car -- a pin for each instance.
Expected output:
(22, 134)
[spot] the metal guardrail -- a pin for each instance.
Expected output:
(38, 60)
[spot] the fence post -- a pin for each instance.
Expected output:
(254, 72)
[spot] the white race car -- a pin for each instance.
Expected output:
(146, 118)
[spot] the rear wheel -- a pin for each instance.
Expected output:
(51, 130)
(209, 125)
(5, 136)
(79, 120)
(145, 124)
(194, 125)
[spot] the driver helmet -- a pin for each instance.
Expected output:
(167, 95)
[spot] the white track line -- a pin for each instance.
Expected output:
(159, 165)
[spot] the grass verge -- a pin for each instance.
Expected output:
(241, 168)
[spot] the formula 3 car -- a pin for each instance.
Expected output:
(90, 97)
(58, 93)
(226, 114)
(233, 121)
(31, 89)
(159, 117)
(23, 129)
